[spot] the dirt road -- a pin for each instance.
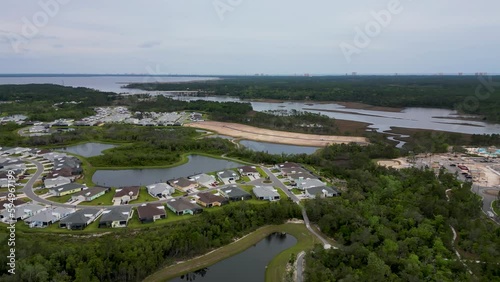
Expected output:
(274, 136)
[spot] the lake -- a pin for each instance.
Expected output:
(106, 83)
(87, 149)
(248, 266)
(140, 177)
(380, 121)
(279, 149)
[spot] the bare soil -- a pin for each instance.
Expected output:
(274, 136)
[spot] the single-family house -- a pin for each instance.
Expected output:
(89, 194)
(21, 212)
(70, 162)
(151, 212)
(48, 217)
(124, 195)
(249, 171)
(209, 200)
(297, 177)
(160, 190)
(235, 193)
(7, 179)
(181, 206)
(292, 170)
(204, 180)
(64, 171)
(309, 183)
(11, 163)
(80, 219)
(321, 191)
(116, 217)
(183, 184)
(287, 165)
(66, 189)
(267, 193)
(228, 176)
(5, 204)
(55, 182)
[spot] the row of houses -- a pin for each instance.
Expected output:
(304, 180)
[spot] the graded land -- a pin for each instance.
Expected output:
(273, 136)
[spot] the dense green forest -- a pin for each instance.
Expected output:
(37, 101)
(141, 146)
(395, 226)
(467, 94)
(131, 255)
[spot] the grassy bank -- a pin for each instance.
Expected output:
(275, 270)
(496, 209)
(89, 170)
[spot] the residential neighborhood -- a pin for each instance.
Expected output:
(75, 206)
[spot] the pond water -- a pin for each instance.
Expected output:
(106, 83)
(279, 149)
(140, 177)
(87, 149)
(248, 266)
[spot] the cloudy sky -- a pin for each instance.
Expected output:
(249, 36)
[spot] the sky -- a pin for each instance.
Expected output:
(249, 36)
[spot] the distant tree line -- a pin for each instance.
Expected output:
(37, 101)
(449, 92)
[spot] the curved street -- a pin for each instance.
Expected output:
(28, 191)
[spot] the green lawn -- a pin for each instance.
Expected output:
(275, 170)
(178, 193)
(62, 199)
(275, 270)
(247, 188)
(104, 200)
(24, 181)
(297, 191)
(282, 194)
(41, 191)
(286, 183)
(144, 197)
(244, 179)
(495, 207)
(31, 171)
(280, 176)
(171, 217)
(262, 173)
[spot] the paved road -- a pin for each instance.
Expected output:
(294, 198)
(280, 185)
(300, 267)
(28, 191)
(477, 189)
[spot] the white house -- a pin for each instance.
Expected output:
(55, 182)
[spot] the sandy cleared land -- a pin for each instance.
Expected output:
(396, 163)
(274, 136)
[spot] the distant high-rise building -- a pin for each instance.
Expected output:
(354, 73)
